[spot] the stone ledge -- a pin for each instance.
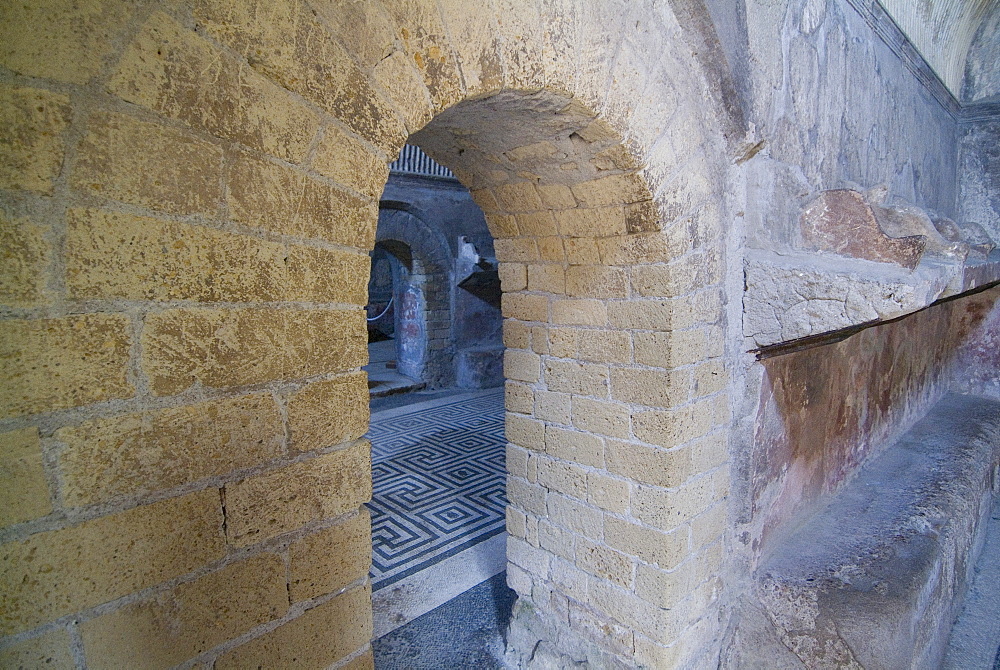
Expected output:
(795, 295)
(874, 578)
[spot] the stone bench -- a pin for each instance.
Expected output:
(875, 578)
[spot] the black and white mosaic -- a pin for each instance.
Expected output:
(439, 477)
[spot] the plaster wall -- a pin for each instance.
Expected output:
(980, 174)
(826, 410)
(835, 107)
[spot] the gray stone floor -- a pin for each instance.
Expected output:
(466, 632)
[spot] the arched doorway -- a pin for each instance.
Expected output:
(230, 157)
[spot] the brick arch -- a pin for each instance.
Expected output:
(210, 171)
(426, 355)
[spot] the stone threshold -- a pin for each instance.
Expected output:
(401, 602)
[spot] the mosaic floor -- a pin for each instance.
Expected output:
(439, 481)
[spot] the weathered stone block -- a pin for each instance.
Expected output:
(594, 222)
(364, 28)
(404, 85)
(58, 572)
(616, 189)
(287, 201)
(517, 197)
(652, 388)
(513, 277)
(420, 25)
(563, 477)
(642, 617)
(649, 314)
(649, 465)
(554, 407)
(220, 348)
(592, 281)
(525, 495)
(673, 427)
(603, 346)
(324, 340)
(516, 249)
(276, 502)
(666, 588)
(347, 161)
(64, 42)
(556, 540)
(476, 42)
(578, 517)
(532, 559)
(574, 446)
(176, 72)
(643, 247)
(50, 364)
(521, 366)
(579, 378)
(525, 307)
(288, 44)
(551, 249)
(604, 418)
(671, 349)
(32, 123)
(330, 559)
(547, 278)
(556, 196)
(24, 493)
(516, 334)
(160, 449)
(329, 412)
(605, 563)
(607, 492)
(518, 398)
(191, 618)
(652, 546)
(582, 251)
(667, 509)
(525, 432)
(579, 312)
(317, 638)
(327, 275)
(51, 650)
(25, 254)
(117, 255)
(149, 164)
(709, 377)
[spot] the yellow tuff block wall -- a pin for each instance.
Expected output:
(189, 192)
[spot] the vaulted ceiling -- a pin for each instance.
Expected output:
(944, 31)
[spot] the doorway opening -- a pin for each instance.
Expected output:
(437, 426)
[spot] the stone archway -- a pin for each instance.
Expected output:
(424, 348)
(212, 184)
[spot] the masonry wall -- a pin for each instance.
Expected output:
(189, 194)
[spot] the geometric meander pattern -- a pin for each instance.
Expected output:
(439, 484)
